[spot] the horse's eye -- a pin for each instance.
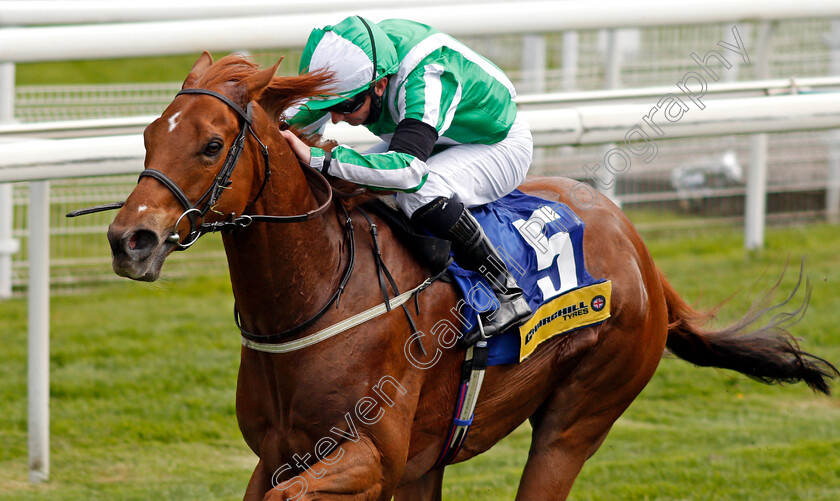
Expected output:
(213, 148)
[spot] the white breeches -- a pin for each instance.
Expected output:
(473, 174)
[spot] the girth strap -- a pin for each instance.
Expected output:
(335, 329)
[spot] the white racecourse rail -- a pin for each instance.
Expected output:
(44, 159)
(132, 38)
(270, 32)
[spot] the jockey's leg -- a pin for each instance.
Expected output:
(470, 175)
(380, 147)
(449, 219)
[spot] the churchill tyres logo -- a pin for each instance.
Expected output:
(567, 312)
(577, 308)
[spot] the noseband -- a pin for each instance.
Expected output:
(196, 212)
(207, 202)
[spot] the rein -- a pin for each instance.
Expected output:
(279, 336)
(196, 214)
(207, 202)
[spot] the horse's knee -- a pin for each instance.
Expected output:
(374, 493)
(354, 471)
(276, 494)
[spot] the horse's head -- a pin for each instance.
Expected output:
(205, 159)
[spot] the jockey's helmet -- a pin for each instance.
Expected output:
(356, 51)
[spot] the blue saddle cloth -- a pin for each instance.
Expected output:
(542, 244)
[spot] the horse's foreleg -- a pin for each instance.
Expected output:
(354, 471)
(259, 484)
(426, 488)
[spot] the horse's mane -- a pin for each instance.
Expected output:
(281, 93)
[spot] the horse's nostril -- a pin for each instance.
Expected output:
(142, 240)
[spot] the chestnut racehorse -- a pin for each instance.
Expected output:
(355, 416)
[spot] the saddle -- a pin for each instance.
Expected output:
(541, 242)
(429, 250)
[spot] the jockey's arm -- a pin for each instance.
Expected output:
(424, 117)
(402, 168)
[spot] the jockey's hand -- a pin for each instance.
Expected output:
(299, 147)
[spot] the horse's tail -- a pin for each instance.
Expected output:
(767, 353)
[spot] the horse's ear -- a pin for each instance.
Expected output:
(257, 83)
(200, 66)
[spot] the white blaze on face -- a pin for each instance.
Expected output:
(173, 121)
(141, 208)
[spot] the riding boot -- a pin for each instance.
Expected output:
(449, 219)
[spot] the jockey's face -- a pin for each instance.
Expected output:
(356, 118)
(359, 116)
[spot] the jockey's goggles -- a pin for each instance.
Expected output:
(350, 106)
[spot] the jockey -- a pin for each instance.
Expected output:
(450, 134)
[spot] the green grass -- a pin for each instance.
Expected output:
(137, 70)
(134, 70)
(143, 379)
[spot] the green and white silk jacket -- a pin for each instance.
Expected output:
(433, 78)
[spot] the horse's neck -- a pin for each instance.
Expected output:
(290, 264)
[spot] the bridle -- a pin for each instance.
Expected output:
(222, 182)
(207, 202)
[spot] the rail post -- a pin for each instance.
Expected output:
(571, 43)
(755, 209)
(832, 195)
(8, 245)
(39, 331)
(534, 64)
(612, 80)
